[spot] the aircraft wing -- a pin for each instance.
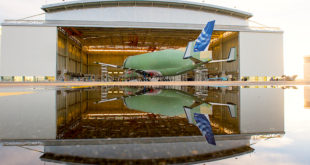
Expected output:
(140, 92)
(110, 65)
(106, 100)
(149, 73)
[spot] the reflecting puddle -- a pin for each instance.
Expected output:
(148, 125)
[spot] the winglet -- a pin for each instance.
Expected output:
(232, 54)
(189, 50)
(232, 110)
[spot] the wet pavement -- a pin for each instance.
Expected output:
(155, 125)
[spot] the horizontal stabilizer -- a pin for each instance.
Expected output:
(231, 107)
(231, 57)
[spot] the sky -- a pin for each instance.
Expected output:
(292, 16)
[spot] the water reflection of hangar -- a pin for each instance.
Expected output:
(84, 111)
(77, 33)
(121, 134)
(91, 126)
(77, 115)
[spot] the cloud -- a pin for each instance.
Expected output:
(266, 158)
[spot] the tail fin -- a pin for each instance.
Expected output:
(203, 123)
(197, 57)
(204, 38)
(196, 50)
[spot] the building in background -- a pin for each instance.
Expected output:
(307, 68)
(307, 78)
(0, 49)
(307, 97)
(75, 34)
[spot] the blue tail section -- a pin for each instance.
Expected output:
(204, 38)
(205, 127)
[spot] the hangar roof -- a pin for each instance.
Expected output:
(154, 3)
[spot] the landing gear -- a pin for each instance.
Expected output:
(145, 77)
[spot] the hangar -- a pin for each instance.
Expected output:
(75, 34)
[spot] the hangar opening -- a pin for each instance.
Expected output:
(79, 48)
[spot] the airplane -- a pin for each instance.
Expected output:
(172, 62)
(172, 102)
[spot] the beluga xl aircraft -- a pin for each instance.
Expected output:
(172, 62)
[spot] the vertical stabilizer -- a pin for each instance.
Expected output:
(204, 38)
(198, 50)
(203, 123)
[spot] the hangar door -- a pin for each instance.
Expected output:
(28, 51)
(261, 54)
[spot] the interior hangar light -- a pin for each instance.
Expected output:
(117, 50)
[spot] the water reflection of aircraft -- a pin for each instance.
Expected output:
(168, 102)
(203, 123)
(174, 62)
(171, 102)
